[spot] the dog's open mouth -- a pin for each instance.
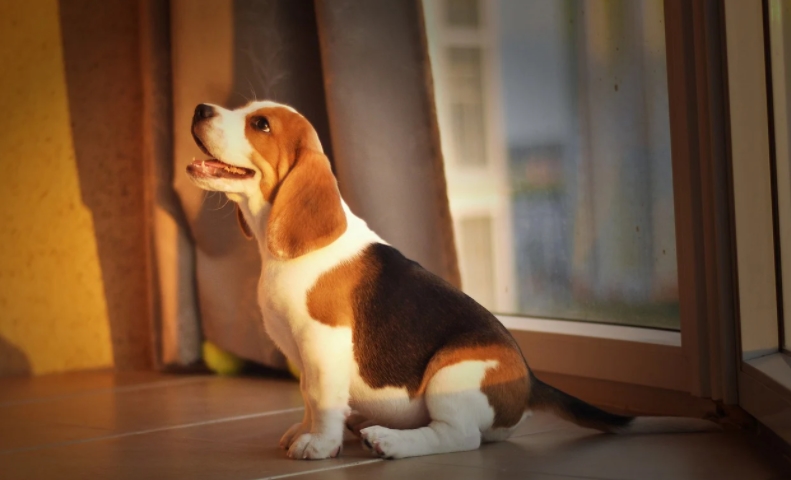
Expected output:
(213, 168)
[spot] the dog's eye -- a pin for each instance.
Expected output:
(261, 123)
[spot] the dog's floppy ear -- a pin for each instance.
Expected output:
(248, 234)
(306, 211)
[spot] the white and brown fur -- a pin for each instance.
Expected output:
(397, 355)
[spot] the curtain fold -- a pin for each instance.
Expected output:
(383, 122)
(157, 154)
(217, 270)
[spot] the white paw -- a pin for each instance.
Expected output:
(315, 446)
(292, 433)
(382, 442)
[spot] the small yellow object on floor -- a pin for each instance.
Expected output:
(221, 362)
(293, 369)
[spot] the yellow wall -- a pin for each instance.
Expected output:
(52, 303)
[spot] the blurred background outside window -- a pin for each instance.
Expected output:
(555, 132)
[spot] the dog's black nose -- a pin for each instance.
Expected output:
(203, 111)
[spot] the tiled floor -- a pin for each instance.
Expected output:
(151, 426)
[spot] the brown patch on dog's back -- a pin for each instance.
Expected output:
(408, 323)
(329, 300)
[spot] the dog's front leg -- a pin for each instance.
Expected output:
(302, 427)
(326, 354)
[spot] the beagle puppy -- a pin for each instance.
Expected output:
(392, 352)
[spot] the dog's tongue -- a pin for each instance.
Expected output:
(217, 169)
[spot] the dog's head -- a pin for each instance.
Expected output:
(267, 153)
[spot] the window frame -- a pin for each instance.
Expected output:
(764, 373)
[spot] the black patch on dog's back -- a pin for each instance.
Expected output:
(404, 314)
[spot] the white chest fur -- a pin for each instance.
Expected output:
(284, 284)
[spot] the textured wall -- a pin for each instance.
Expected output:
(101, 51)
(53, 314)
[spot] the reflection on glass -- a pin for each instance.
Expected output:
(555, 130)
(466, 104)
(475, 256)
(462, 13)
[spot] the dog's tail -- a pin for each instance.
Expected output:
(547, 397)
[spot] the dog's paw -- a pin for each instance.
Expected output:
(382, 442)
(315, 446)
(292, 433)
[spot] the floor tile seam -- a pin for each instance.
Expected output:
(518, 470)
(239, 443)
(539, 432)
(250, 443)
(151, 430)
(124, 389)
(325, 469)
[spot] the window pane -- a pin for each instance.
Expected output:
(462, 13)
(476, 257)
(574, 170)
(465, 91)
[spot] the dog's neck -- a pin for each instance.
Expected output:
(256, 213)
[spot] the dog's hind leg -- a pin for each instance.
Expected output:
(356, 422)
(502, 433)
(459, 411)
